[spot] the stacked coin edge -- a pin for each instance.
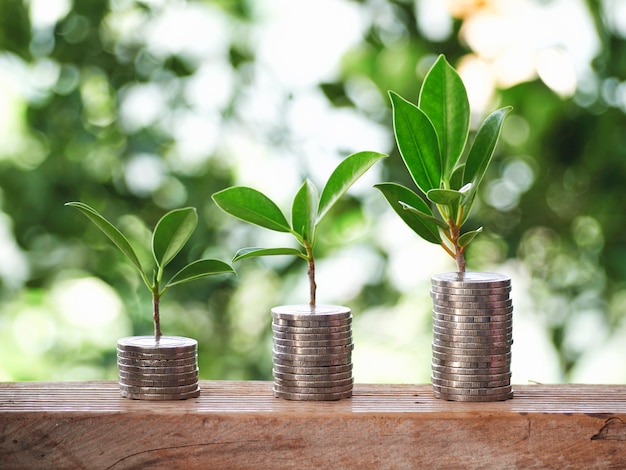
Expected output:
(312, 352)
(161, 370)
(472, 337)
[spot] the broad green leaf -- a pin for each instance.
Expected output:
(304, 211)
(344, 176)
(399, 197)
(456, 178)
(417, 142)
(447, 197)
(253, 207)
(483, 147)
(171, 233)
(255, 252)
(443, 99)
(468, 237)
(111, 232)
(199, 269)
(435, 220)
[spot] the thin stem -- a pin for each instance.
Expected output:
(458, 255)
(156, 315)
(311, 273)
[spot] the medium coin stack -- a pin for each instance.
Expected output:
(472, 336)
(166, 369)
(312, 355)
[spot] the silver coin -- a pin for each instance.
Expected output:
(157, 372)
(470, 371)
(450, 340)
(147, 382)
(307, 312)
(485, 313)
(485, 350)
(475, 399)
(313, 361)
(470, 291)
(312, 323)
(160, 396)
(309, 330)
(327, 336)
(164, 345)
(137, 362)
(346, 342)
(311, 390)
(487, 298)
(154, 356)
(312, 377)
(470, 384)
(472, 378)
(503, 304)
(473, 391)
(472, 316)
(468, 280)
(319, 351)
(312, 370)
(300, 384)
(164, 390)
(312, 396)
(470, 325)
(471, 357)
(477, 365)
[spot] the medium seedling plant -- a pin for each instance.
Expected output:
(308, 209)
(170, 234)
(432, 138)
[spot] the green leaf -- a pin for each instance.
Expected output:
(112, 233)
(304, 211)
(199, 269)
(417, 142)
(251, 206)
(456, 178)
(484, 144)
(468, 237)
(399, 197)
(443, 99)
(245, 253)
(446, 197)
(435, 220)
(344, 176)
(171, 233)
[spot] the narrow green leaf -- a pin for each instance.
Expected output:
(171, 233)
(399, 197)
(252, 206)
(344, 176)
(417, 141)
(468, 237)
(111, 232)
(304, 210)
(443, 98)
(431, 218)
(456, 178)
(245, 253)
(199, 269)
(446, 197)
(483, 147)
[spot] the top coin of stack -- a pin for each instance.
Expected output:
(166, 369)
(472, 336)
(312, 352)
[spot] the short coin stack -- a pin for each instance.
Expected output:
(166, 369)
(312, 353)
(472, 336)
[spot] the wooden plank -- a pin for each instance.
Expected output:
(240, 425)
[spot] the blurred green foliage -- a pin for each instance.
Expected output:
(71, 131)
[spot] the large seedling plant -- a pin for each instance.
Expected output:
(432, 138)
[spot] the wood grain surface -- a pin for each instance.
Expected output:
(240, 425)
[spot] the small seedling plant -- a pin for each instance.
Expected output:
(308, 209)
(170, 234)
(432, 138)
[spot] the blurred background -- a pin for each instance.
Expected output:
(138, 107)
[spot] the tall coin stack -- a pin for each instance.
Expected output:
(166, 369)
(312, 355)
(472, 336)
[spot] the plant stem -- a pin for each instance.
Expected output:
(459, 257)
(311, 273)
(156, 316)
